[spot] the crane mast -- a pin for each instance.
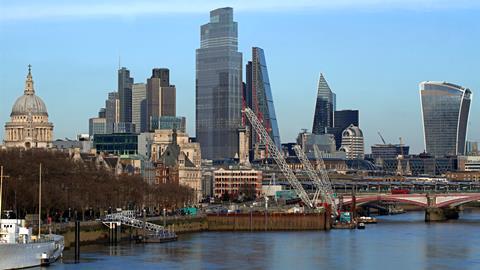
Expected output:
(277, 156)
(327, 184)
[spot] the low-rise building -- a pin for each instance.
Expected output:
(236, 182)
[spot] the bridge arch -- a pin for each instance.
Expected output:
(407, 200)
(459, 201)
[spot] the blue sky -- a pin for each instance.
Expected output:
(373, 54)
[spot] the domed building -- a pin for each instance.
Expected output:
(352, 142)
(29, 126)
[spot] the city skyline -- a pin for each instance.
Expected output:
(381, 94)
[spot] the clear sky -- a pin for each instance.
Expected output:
(373, 54)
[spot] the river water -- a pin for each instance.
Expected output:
(397, 242)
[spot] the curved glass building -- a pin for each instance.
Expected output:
(445, 109)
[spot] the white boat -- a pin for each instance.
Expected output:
(20, 249)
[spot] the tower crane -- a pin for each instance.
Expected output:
(277, 156)
(325, 180)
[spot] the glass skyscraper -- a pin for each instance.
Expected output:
(219, 86)
(258, 96)
(125, 94)
(112, 111)
(324, 107)
(445, 109)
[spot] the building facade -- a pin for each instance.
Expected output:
(117, 143)
(177, 160)
(352, 143)
(324, 107)
(341, 120)
(97, 125)
(161, 96)
(112, 111)
(259, 97)
(29, 126)
(219, 86)
(139, 107)
(445, 111)
(125, 83)
(169, 122)
(235, 182)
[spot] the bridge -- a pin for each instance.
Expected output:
(438, 206)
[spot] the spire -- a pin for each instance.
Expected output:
(29, 83)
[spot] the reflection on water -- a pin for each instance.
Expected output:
(397, 242)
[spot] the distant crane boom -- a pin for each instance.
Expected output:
(381, 137)
(277, 156)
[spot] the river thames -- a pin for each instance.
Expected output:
(396, 242)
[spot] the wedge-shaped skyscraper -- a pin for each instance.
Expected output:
(445, 109)
(324, 107)
(259, 96)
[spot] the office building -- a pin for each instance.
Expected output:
(324, 107)
(161, 96)
(169, 122)
(472, 148)
(97, 125)
(445, 110)
(219, 86)
(112, 111)
(352, 143)
(341, 120)
(259, 96)
(125, 83)
(117, 143)
(139, 107)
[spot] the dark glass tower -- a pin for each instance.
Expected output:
(324, 107)
(445, 109)
(259, 96)
(342, 120)
(125, 83)
(219, 86)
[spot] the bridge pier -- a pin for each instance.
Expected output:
(433, 214)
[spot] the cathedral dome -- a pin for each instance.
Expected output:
(29, 102)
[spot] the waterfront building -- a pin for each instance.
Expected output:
(116, 143)
(324, 107)
(125, 83)
(445, 111)
(258, 97)
(236, 182)
(161, 96)
(352, 143)
(219, 86)
(169, 122)
(29, 126)
(112, 111)
(139, 107)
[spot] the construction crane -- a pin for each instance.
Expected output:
(320, 189)
(277, 156)
(327, 184)
(381, 137)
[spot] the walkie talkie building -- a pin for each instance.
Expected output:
(445, 110)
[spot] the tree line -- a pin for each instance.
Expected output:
(76, 189)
